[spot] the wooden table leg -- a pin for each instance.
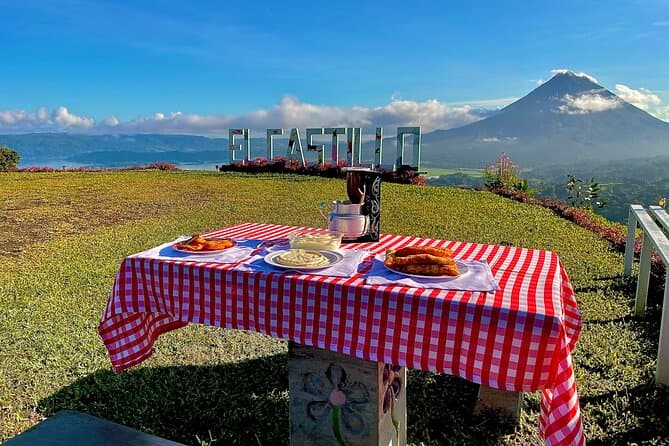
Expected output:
(341, 400)
(508, 402)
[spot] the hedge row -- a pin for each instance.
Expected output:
(403, 175)
(161, 165)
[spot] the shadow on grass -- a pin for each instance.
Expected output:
(649, 407)
(440, 411)
(247, 403)
(239, 403)
(617, 283)
(630, 414)
(647, 328)
(618, 320)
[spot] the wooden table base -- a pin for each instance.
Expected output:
(341, 400)
(508, 403)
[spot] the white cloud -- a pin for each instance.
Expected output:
(24, 121)
(580, 74)
(555, 71)
(645, 100)
(291, 112)
(111, 121)
(66, 119)
(588, 103)
(505, 139)
(592, 102)
(42, 114)
(661, 113)
(288, 112)
(642, 98)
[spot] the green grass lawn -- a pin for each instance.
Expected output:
(65, 235)
(437, 171)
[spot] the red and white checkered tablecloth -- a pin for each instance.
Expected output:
(519, 338)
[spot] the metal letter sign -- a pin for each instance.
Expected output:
(353, 153)
(378, 147)
(354, 150)
(401, 133)
(334, 149)
(295, 145)
(270, 141)
(238, 147)
(311, 147)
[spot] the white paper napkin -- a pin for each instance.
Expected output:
(346, 268)
(477, 278)
(241, 250)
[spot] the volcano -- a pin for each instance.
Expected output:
(567, 120)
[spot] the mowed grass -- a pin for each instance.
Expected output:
(437, 171)
(65, 234)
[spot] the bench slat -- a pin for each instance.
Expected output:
(67, 428)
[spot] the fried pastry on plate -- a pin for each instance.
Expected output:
(430, 270)
(199, 243)
(422, 260)
(416, 250)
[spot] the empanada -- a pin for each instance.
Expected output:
(422, 260)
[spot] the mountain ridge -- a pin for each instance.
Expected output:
(546, 126)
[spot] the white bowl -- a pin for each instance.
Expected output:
(315, 239)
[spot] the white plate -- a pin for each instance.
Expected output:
(332, 256)
(462, 267)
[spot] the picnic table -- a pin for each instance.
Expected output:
(519, 338)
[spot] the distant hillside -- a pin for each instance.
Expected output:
(557, 123)
(123, 150)
(122, 158)
(36, 147)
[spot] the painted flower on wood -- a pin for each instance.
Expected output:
(392, 383)
(339, 399)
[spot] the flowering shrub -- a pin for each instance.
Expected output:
(403, 175)
(37, 169)
(152, 166)
(161, 165)
(504, 174)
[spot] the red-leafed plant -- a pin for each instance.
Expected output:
(279, 164)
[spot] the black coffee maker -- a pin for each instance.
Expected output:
(363, 186)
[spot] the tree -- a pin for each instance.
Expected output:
(8, 159)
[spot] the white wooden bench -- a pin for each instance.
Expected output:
(70, 428)
(654, 224)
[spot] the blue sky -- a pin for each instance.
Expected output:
(141, 66)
